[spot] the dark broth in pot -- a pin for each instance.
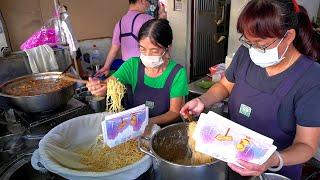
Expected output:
(34, 87)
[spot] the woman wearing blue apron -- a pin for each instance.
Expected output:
(154, 78)
(125, 33)
(273, 85)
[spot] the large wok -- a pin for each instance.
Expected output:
(37, 103)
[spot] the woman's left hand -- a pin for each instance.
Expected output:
(251, 169)
(148, 130)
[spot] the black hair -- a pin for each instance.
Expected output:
(158, 30)
(132, 1)
(272, 18)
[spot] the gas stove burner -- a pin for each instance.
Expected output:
(39, 123)
(2, 119)
(43, 114)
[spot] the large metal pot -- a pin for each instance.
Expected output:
(171, 144)
(270, 176)
(37, 103)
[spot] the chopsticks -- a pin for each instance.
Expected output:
(68, 78)
(63, 72)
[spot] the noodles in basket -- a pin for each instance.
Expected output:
(102, 158)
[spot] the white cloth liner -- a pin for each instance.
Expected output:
(56, 148)
(42, 59)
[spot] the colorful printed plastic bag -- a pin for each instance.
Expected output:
(46, 35)
(121, 127)
(228, 141)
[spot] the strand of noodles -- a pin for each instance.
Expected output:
(115, 93)
(102, 158)
(197, 157)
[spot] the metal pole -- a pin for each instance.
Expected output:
(57, 15)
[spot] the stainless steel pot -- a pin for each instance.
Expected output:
(38, 103)
(171, 144)
(270, 176)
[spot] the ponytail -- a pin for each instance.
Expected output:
(305, 40)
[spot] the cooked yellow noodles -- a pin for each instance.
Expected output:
(197, 157)
(102, 158)
(115, 93)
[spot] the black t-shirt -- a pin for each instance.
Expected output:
(302, 103)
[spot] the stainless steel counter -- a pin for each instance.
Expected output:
(194, 88)
(220, 107)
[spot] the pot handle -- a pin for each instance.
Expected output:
(142, 148)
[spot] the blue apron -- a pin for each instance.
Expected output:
(261, 114)
(157, 99)
(132, 27)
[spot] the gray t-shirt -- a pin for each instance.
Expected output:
(302, 103)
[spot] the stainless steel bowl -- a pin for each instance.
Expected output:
(37, 103)
(169, 145)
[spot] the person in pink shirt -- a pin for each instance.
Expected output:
(125, 34)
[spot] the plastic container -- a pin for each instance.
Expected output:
(96, 103)
(95, 57)
(216, 77)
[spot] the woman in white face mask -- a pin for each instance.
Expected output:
(154, 78)
(273, 85)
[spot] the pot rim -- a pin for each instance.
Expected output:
(180, 165)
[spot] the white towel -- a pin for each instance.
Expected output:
(42, 59)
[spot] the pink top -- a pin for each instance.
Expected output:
(129, 45)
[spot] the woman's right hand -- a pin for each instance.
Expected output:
(193, 107)
(162, 11)
(96, 88)
(103, 71)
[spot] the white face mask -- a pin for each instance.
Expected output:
(269, 58)
(151, 61)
